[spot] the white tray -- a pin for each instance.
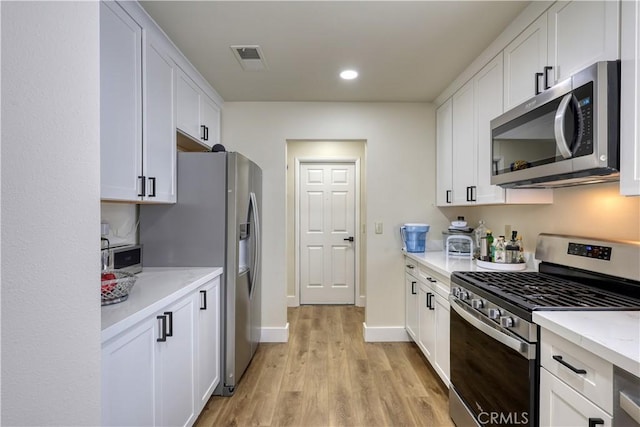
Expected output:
(501, 266)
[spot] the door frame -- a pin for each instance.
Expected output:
(296, 220)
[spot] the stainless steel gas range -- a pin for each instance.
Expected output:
(494, 343)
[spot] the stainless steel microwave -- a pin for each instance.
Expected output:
(567, 135)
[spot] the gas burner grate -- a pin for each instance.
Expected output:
(538, 291)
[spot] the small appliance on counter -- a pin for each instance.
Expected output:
(126, 258)
(414, 237)
(458, 239)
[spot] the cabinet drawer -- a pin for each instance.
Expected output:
(594, 378)
(411, 267)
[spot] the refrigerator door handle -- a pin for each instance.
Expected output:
(256, 242)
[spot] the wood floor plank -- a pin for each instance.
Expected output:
(326, 375)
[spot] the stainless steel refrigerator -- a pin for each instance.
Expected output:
(215, 222)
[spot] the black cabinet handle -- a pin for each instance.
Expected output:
(143, 185)
(469, 194)
(574, 369)
(413, 288)
(206, 133)
(203, 300)
(202, 133)
(546, 77)
(410, 266)
(170, 316)
(473, 193)
(430, 301)
(538, 75)
(163, 328)
(449, 196)
(348, 239)
(152, 180)
(593, 422)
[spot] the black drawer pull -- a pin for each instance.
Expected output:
(170, 316)
(413, 288)
(203, 300)
(593, 422)
(574, 369)
(163, 328)
(449, 196)
(143, 185)
(538, 75)
(546, 77)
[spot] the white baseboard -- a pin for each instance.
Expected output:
(275, 334)
(384, 333)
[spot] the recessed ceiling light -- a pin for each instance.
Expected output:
(349, 74)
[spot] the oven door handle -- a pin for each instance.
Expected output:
(525, 349)
(561, 140)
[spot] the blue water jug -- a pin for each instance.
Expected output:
(414, 237)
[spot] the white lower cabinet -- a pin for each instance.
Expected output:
(576, 386)
(162, 370)
(411, 301)
(427, 315)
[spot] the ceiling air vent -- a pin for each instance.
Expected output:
(250, 57)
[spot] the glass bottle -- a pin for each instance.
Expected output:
(479, 233)
(500, 250)
(489, 247)
(520, 246)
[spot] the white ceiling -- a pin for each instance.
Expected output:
(404, 51)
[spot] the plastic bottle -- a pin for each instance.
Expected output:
(479, 233)
(500, 250)
(489, 247)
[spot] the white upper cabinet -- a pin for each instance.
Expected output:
(581, 33)
(120, 103)
(444, 145)
(137, 139)
(488, 88)
(464, 145)
(198, 115)
(570, 36)
(525, 56)
(159, 137)
(630, 102)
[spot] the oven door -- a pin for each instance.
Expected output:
(493, 372)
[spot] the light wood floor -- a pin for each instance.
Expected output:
(326, 375)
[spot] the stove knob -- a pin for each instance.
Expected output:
(463, 295)
(456, 292)
(506, 321)
(477, 303)
(494, 313)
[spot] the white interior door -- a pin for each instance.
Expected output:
(326, 223)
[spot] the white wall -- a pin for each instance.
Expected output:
(400, 184)
(50, 213)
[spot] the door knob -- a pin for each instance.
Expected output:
(348, 239)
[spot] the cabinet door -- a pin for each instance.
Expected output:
(210, 114)
(444, 147)
(411, 314)
(580, 34)
(128, 363)
(176, 370)
(464, 144)
(208, 341)
(630, 102)
(426, 319)
(159, 139)
(120, 104)
(489, 85)
(560, 405)
(188, 107)
(442, 322)
(525, 56)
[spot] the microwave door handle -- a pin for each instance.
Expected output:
(558, 129)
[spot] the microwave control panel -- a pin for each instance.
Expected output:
(584, 95)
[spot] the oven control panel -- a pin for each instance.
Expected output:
(590, 251)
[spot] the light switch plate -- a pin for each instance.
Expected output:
(378, 228)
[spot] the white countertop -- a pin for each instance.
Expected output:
(612, 335)
(445, 265)
(154, 288)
